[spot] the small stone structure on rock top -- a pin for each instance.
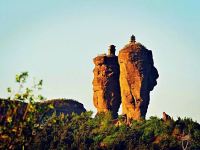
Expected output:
(126, 79)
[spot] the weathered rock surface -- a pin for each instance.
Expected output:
(137, 78)
(106, 87)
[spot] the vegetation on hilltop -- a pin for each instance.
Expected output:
(85, 132)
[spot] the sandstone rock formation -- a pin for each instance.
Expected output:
(137, 78)
(106, 87)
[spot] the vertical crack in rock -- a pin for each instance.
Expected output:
(137, 78)
(106, 96)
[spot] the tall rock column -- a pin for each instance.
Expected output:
(137, 78)
(106, 96)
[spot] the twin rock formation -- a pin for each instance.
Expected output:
(125, 79)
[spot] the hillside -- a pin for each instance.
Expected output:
(16, 108)
(102, 132)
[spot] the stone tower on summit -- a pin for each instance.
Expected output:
(126, 79)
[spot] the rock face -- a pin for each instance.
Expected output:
(106, 87)
(137, 78)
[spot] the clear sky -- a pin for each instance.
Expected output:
(56, 40)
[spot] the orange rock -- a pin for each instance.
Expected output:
(166, 117)
(106, 87)
(137, 78)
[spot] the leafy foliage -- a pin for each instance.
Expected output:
(19, 119)
(86, 132)
(25, 93)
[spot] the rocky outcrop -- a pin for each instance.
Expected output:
(166, 117)
(106, 87)
(16, 109)
(137, 78)
(65, 106)
(132, 88)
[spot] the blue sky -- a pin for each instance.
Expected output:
(57, 40)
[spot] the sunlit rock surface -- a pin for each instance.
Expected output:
(137, 78)
(106, 96)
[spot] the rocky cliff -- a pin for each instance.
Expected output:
(106, 87)
(137, 78)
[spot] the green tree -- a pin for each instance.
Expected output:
(23, 101)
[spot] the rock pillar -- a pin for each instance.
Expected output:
(137, 78)
(106, 96)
